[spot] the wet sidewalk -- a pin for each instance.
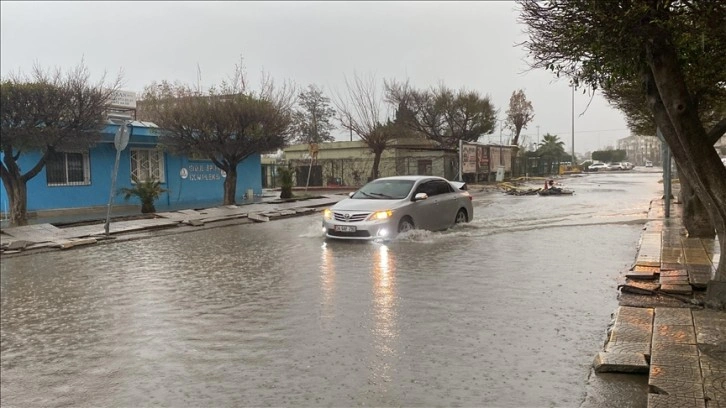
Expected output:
(661, 327)
(87, 230)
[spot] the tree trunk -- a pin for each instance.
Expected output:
(17, 192)
(376, 162)
(230, 186)
(678, 119)
(695, 217)
(18, 197)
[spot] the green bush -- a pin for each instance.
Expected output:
(147, 191)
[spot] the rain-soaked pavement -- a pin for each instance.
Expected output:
(506, 311)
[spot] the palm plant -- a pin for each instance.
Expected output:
(285, 177)
(551, 147)
(147, 191)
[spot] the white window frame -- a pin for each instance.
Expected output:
(86, 163)
(142, 166)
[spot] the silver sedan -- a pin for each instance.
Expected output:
(387, 206)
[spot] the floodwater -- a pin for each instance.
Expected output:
(506, 311)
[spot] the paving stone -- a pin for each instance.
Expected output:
(643, 273)
(674, 273)
(706, 317)
(634, 315)
(620, 363)
(629, 348)
(710, 334)
(699, 280)
(714, 389)
(258, 217)
(288, 212)
(671, 401)
(669, 266)
(676, 381)
(18, 245)
(630, 334)
(674, 334)
(684, 289)
(670, 359)
(674, 280)
(640, 287)
(674, 348)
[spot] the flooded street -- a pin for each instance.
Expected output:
(508, 310)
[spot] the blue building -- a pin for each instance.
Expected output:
(81, 180)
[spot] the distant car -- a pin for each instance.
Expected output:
(626, 166)
(648, 163)
(387, 206)
(597, 166)
(614, 166)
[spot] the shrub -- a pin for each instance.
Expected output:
(147, 191)
(285, 177)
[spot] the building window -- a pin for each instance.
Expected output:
(424, 167)
(147, 164)
(68, 169)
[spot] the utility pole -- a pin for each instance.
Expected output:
(573, 125)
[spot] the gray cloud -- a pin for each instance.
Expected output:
(462, 44)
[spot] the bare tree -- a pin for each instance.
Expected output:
(361, 111)
(47, 111)
(519, 114)
(226, 124)
(443, 115)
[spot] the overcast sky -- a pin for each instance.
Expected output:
(462, 44)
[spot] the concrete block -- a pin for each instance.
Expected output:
(620, 363)
(672, 316)
(18, 245)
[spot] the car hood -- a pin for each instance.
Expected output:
(350, 204)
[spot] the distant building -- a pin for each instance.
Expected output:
(639, 149)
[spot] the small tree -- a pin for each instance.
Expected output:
(519, 114)
(227, 124)
(47, 112)
(312, 120)
(148, 191)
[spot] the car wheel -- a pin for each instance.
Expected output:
(405, 225)
(461, 216)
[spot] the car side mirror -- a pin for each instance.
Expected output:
(351, 194)
(420, 196)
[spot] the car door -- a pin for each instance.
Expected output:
(424, 212)
(446, 203)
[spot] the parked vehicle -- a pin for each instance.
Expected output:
(597, 166)
(626, 166)
(648, 163)
(387, 206)
(614, 166)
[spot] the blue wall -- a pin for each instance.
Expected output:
(203, 185)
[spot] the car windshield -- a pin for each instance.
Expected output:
(385, 190)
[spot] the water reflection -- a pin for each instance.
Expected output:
(385, 313)
(327, 281)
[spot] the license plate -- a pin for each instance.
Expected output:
(345, 228)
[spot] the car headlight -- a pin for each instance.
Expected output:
(327, 214)
(381, 215)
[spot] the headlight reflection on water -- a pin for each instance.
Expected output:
(385, 324)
